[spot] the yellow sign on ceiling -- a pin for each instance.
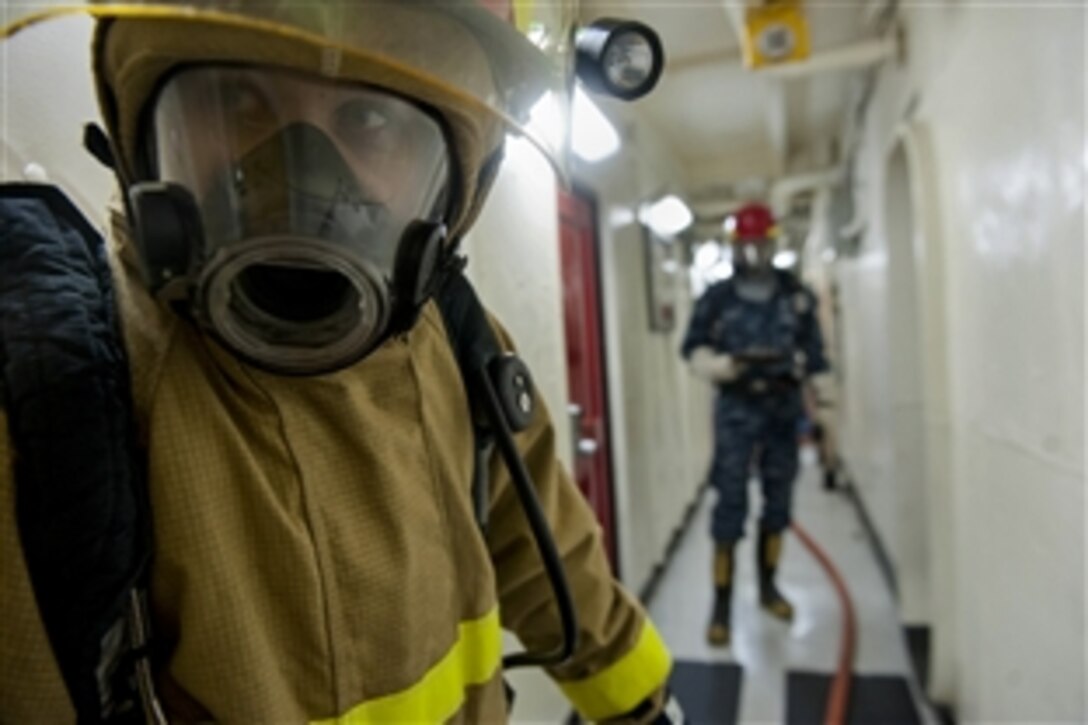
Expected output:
(775, 32)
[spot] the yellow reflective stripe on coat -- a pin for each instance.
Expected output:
(623, 686)
(473, 660)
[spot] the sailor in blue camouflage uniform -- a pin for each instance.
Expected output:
(755, 336)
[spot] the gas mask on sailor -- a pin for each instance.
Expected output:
(298, 220)
(753, 256)
(753, 262)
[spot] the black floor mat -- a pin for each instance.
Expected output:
(708, 692)
(874, 700)
(918, 639)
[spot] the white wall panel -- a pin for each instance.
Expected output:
(1000, 94)
(909, 535)
(46, 97)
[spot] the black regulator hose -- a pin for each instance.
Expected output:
(500, 390)
(538, 524)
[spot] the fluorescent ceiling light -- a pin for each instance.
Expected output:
(666, 217)
(593, 136)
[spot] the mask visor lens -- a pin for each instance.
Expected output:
(269, 153)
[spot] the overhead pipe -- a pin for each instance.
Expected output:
(819, 237)
(716, 208)
(861, 54)
(781, 192)
(788, 187)
(854, 227)
(846, 57)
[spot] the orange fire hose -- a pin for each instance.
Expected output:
(838, 698)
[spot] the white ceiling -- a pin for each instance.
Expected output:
(728, 124)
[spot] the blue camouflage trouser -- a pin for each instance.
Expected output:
(745, 425)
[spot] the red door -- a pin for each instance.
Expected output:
(585, 358)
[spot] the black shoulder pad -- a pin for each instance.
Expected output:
(789, 282)
(79, 479)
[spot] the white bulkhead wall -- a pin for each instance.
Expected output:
(994, 98)
(40, 133)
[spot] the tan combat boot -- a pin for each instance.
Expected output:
(717, 633)
(768, 552)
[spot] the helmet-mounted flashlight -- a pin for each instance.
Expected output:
(619, 58)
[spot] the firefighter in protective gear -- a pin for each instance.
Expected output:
(296, 178)
(755, 336)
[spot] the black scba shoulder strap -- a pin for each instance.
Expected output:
(474, 344)
(500, 391)
(790, 284)
(80, 487)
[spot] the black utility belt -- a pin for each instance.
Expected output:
(761, 386)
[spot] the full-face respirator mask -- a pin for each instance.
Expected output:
(298, 220)
(753, 256)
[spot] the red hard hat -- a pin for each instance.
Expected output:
(752, 222)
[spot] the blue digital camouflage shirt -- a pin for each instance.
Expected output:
(786, 323)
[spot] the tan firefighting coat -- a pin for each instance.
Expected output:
(316, 553)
